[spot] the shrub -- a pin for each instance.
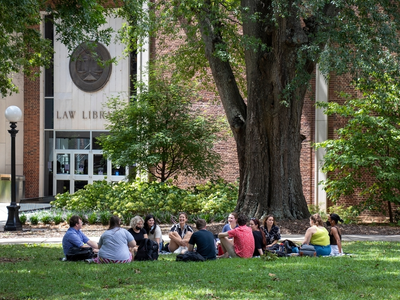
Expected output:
(23, 219)
(46, 219)
(105, 217)
(34, 220)
(92, 218)
(58, 219)
(348, 214)
(127, 199)
(315, 209)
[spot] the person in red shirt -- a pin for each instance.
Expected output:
(243, 240)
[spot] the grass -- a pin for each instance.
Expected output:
(34, 272)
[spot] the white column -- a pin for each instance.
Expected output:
(321, 134)
(143, 58)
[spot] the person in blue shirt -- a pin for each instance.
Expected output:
(74, 237)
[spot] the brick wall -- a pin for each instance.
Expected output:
(307, 162)
(32, 136)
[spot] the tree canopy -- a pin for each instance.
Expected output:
(23, 48)
(160, 131)
(260, 56)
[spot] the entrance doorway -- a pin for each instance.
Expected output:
(79, 161)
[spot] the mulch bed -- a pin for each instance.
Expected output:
(286, 227)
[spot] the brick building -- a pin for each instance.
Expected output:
(63, 115)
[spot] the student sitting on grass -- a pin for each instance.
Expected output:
(114, 244)
(318, 236)
(137, 232)
(204, 240)
(179, 235)
(272, 232)
(335, 236)
(243, 240)
(74, 237)
(153, 230)
(260, 242)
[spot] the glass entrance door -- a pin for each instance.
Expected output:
(79, 161)
(73, 170)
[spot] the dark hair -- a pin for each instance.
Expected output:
(266, 219)
(74, 220)
(242, 219)
(336, 218)
(316, 218)
(147, 227)
(115, 221)
(183, 213)
(200, 224)
(258, 224)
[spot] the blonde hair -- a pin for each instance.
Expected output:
(136, 220)
(316, 218)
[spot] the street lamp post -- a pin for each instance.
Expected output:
(13, 115)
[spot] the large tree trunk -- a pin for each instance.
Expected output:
(267, 132)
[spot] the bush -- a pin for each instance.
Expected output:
(348, 214)
(92, 219)
(315, 209)
(23, 219)
(58, 219)
(46, 219)
(34, 220)
(127, 199)
(105, 217)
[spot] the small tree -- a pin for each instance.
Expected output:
(368, 146)
(161, 132)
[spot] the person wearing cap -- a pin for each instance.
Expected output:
(335, 236)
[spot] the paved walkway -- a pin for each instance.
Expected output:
(293, 237)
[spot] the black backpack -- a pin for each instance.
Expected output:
(76, 253)
(190, 256)
(148, 250)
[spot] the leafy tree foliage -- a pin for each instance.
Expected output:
(262, 55)
(368, 146)
(161, 133)
(22, 46)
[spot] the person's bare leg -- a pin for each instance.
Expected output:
(175, 241)
(227, 246)
(186, 239)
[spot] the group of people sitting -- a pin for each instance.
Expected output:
(118, 245)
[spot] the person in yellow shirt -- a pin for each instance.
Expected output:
(318, 236)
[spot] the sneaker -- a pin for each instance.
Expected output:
(179, 250)
(89, 260)
(63, 259)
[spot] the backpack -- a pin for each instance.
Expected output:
(76, 253)
(148, 250)
(190, 256)
(285, 248)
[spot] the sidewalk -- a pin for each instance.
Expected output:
(57, 240)
(293, 237)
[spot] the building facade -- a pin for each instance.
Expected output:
(63, 114)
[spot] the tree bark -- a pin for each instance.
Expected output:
(267, 132)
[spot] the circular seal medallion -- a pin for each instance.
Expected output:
(85, 72)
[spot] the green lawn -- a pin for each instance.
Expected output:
(34, 272)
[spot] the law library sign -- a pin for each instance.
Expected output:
(86, 115)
